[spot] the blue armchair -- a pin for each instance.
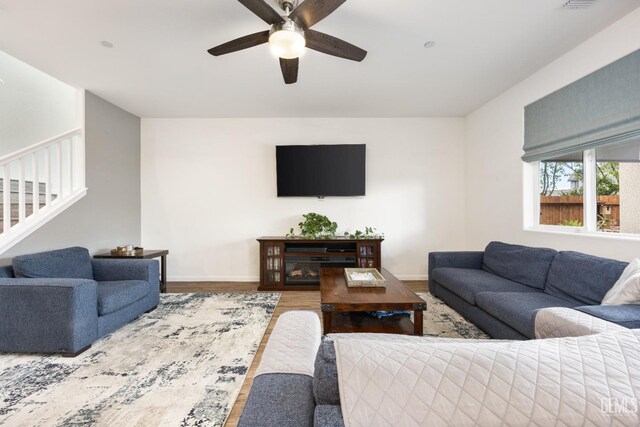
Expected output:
(62, 301)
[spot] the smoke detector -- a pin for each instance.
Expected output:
(578, 4)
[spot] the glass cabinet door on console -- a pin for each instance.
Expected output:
(368, 254)
(272, 260)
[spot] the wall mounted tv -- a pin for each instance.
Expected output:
(320, 170)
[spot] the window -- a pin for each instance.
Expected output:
(618, 188)
(598, 194)
(561, 192)
(583, 144)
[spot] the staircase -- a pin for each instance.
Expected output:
(29, 200)
(39, 182)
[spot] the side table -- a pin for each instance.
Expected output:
(146, 254)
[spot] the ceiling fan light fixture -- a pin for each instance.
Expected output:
(286, 40)
(290, 32)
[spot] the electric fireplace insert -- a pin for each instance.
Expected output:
(305, 269)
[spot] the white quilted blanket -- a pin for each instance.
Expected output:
(293, 345)
(556, 322)
(590, 380)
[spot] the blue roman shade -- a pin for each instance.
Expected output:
(600, 109)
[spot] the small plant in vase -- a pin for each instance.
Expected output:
(368, 233)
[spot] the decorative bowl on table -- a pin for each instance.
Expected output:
(128, 250)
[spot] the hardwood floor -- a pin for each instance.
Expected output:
(290, 300)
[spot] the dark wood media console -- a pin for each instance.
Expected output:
(291, 264)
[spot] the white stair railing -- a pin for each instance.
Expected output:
(39, 182)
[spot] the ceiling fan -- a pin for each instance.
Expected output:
(290, 33)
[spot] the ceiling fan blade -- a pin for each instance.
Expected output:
(289, 70)
(240, 43)
(333, 46)
(310, 12)
(263, 11)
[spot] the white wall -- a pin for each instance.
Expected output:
(209, 190)
(494, 179)
(33, 105)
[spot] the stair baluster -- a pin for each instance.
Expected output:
(39, 182)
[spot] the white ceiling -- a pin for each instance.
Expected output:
(159, 66)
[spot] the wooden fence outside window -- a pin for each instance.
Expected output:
(558, 210)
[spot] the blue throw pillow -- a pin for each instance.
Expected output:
(69, 263)
(523, 264)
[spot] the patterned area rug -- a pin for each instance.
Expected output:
(180, 365)
(440, 320)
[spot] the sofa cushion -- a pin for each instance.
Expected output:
(279, 400)
(328, 415)
(518, 309)
(627, 315)
(581, 278)
(325, 375)
(69, 263)
(466, 282)
(6, 272)
(526, 265)
(113, 296)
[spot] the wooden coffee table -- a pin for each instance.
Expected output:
(344, 309)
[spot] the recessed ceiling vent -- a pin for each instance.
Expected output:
(578, 4)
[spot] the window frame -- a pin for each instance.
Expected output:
(531, 220)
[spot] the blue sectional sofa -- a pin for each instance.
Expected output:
(62, 301)
(298, 391)
(501, 288)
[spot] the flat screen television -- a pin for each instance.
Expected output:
(321, 170)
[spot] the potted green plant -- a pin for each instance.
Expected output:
(368, 233)
(315, 226)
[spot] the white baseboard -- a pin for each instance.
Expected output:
(256, 278)
(213, 278)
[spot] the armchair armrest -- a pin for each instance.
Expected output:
(47, 315)
(105, 270)
(558, 322)
(454, 259)
(282, 390)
